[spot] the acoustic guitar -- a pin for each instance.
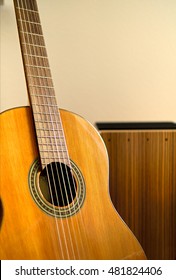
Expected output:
(54, 201)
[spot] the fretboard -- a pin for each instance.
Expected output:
(48, 125)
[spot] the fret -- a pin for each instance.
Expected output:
(40, 90)
(37, 66)
(40, 95)
(50, 100)
(43, 113)
(37, 56)
(50, 136)
(51, 140)
(54, 154)
(48, 110)
(30, 33)
(49, 123)
(51, 130)
(45, 93)
(32, 45)
(50, 105)
(45, 144)
(56, 141)
(54, 146)
(39, 86)
(31, 22)
(27, 10)
(53, 150)
(46, 125)
(63, 152)
(44, 122)
(56, 157)
(48, 161)
(40, 77)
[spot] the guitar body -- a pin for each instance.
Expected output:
(95, 231)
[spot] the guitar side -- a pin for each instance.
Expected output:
(95, 232)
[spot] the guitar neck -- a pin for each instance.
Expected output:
(49, 131)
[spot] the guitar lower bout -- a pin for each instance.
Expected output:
(58, 189)
(38, 225)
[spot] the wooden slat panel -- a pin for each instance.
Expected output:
(143, 186)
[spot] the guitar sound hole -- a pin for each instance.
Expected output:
(57, 184)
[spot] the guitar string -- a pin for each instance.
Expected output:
(78, 227)
(52, 173)
(61, 189)
(59, 239)
(22, 27)
(81, 241)
(56, 116)
(81, 217)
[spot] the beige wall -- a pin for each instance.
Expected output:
(111, 60)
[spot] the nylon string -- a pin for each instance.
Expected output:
(48, 175)
(55, 116)
(57, 129)
(59, 239)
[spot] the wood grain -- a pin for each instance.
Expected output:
(143, 186)
(95, 232)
